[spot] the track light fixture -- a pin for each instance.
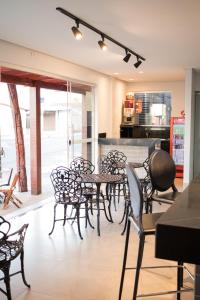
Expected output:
(102, 44)
(127, 57)
(138, 63)
(78, 35)
(75, 29)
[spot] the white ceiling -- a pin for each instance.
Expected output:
(166, 33)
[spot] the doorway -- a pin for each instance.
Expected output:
(67, 127)
(196, 165)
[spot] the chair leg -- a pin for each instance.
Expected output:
(78, 221)
(119, 190)
(108, 196)
(179, 279)
(54, 219)
(109, 211)
(126, 218)
(104, 208)
(138, 266)
(87, 218)
(65, 214)
(6, 200)
(114, 199)
(124, 213)
(86, 214)
(124, 259)
(22, 269)
(6, 271)
(91, 205)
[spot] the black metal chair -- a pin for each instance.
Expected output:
(162, 172)
(144, 224)
(84, 166)
(9, 178)
(146, 189)
(116, 161)
(68, 192)
(11, 246)
(6, 184)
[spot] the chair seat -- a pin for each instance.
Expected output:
(8, 251)
(148, 222)
(169, 196)
(72, 200)
(89, 191)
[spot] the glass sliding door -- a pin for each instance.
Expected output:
(80, 121)
(66, 127)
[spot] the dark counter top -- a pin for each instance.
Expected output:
(148, 142)
(178, 230)
(138, 125)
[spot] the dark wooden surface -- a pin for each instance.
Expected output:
(178, 230)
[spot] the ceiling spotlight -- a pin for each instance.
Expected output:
(127, 57)
(75, 29)
(138, 63)
(78, 35)
(102, 44)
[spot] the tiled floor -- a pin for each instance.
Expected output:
(62, 267)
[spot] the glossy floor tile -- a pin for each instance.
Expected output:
(63, 267)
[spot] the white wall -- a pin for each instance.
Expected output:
(118, 95)
(192, 84)
(177, 89)
(108, 90)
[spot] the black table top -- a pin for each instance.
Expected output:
(178, 230)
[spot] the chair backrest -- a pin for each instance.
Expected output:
(162, 170)
(13, 243)
(82, 165)
(10, 175)
(66, 182)
(116, 156)
(136, 196)
(104, 166)
(4, 227)
(116, 160)
(14, 182)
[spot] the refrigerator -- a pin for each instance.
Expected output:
(177, 143)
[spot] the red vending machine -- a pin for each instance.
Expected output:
(177, 143)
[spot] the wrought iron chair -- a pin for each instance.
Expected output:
(144, 224)
(9, 178)
(9, 193)
(84, 166)
(162, 172)
(5, 184)
(68, 192)
(116, 160)
(11, 246)
(106, 168)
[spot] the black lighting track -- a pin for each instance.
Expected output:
(76, 19)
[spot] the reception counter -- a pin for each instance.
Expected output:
(136, 150)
